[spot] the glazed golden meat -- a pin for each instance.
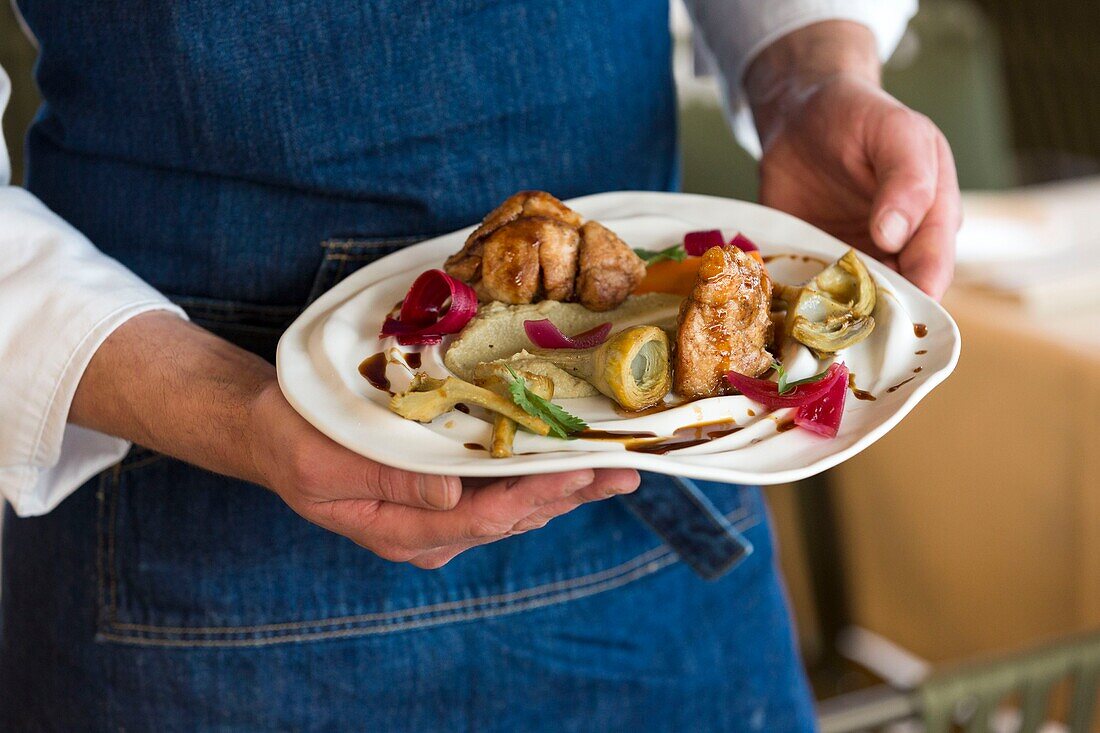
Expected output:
(526, 257)
(534, 247)
(609, 269)
(466, 263)
(724, 324)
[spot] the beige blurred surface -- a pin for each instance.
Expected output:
(975, 525)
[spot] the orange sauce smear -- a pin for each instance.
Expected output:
(674, 277)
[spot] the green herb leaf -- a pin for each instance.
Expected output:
(675, 253)
(785, 386)
(561, 423)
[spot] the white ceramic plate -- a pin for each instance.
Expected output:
(319, 355)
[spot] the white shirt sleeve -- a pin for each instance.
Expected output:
(60, 298)
(735, 31)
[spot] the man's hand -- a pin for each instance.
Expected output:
(845, 156)
(402, 516)
(180, 390)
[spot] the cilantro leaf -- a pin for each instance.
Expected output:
(675, 253)
(561, 423)
(784, 386)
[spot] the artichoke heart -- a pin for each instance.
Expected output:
(832, 311)
(632, 367)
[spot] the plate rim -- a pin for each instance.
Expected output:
(671, 464)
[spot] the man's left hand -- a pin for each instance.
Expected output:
(847, 157)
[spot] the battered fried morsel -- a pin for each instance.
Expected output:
(533, 247)
(528, 257)
(609, 269)
(724, 324)
(466, 263)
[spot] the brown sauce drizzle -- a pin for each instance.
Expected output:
(688, 436)
(783, 426)
(619, 435)
(804, 258)
(475, 446)
(653, 410)
(685, 437)
(373, 369)
(922, 352)
(901, 384)
(920, 329)
(752, 413)
(860, 394)
(461, 407)
(918, 370)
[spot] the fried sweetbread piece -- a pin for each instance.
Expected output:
(609, 269)
(466, 263)
(724, 323)
(529, 257)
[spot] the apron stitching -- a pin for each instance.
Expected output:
(661, 557)
(611, 584)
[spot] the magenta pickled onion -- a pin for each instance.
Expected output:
(822, 416)
(436, 304)
(696, 243)
(546, 335)
(766, 392)
(743, 243)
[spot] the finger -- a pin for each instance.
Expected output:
(928, 261)
(608, 483)
(483, 514)
(350, 476)
(903, 154)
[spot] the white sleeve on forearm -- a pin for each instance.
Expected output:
(736, 31)
(60, 298)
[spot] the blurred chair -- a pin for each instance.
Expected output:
(1012, 693)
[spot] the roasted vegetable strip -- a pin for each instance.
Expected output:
(427, 398)
(504, 428)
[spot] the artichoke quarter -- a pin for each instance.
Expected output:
(832, 311)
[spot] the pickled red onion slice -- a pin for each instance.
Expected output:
(436, 304)
(546, 335)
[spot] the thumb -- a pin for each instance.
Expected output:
(902, 152)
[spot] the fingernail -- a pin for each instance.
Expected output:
(435, 492)
(894, 228)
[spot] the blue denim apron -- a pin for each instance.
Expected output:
(243, 156)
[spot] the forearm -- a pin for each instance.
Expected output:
(176, 388)
(795, 64)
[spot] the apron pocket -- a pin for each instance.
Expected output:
(342, 257)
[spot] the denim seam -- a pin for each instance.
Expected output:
(369, 243)
(344, 257)
(661, 561)
(556, 592)
(504, 598)
(243, 307)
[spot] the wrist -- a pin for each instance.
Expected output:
(788, 72)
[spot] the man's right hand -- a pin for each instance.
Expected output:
(178, 389)
(403, 516)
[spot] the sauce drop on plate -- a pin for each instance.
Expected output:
(860, 394)
(373, 369)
